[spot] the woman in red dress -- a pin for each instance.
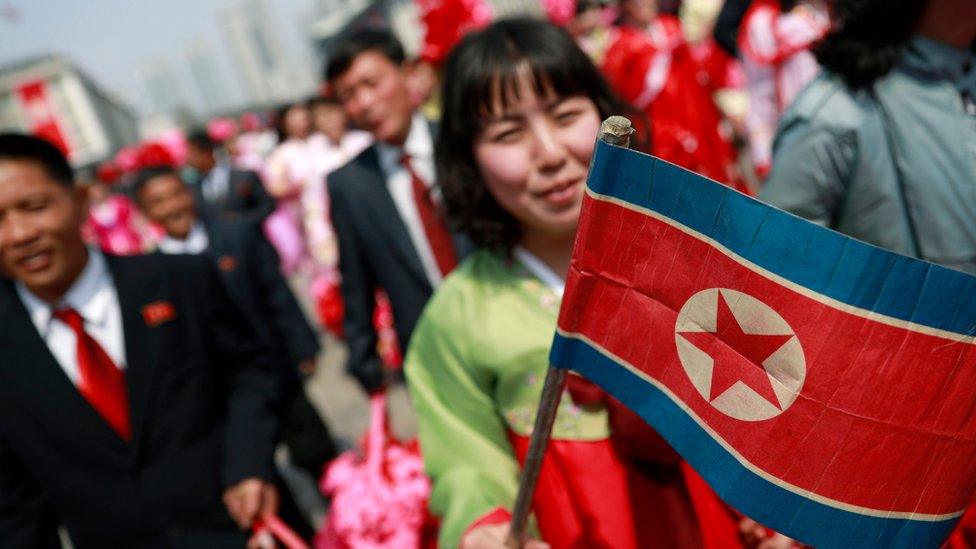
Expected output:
(651, 65)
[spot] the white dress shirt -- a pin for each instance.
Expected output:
(94, 296)
(216, 184)
(419, 146)
(196, 242)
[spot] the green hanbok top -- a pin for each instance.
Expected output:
(475, 369)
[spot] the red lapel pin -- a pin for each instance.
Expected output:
(158, 312)
(227, 263)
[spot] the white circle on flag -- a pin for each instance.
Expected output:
(740, 354)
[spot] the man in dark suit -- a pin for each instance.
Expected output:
(249, 267)
(223, 191)
(135, 405)
(385, 206)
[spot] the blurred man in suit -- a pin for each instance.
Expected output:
(385, 206)
(135, 404)
(222, 190)
(249, 267)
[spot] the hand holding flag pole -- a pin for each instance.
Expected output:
(615, 130)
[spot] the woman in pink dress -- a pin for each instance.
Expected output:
(114, 224)
(332, 145)
(289, 168)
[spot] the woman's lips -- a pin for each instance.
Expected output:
(561, 194)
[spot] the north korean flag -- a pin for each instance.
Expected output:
(822, 386)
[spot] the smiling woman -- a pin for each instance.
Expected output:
(522, 107)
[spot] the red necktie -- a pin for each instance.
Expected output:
(438, 236)
(102, 383)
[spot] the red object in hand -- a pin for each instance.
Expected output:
(272, 525)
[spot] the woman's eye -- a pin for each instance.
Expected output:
(565, 117)
(35, 205)
(507, 136)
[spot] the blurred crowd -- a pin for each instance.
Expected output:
(426, 208)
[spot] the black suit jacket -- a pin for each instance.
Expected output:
(200, 392)
(375, 251)
(246, 197)
(249, 267)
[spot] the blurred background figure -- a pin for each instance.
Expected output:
(774, 42)
(221, 189)
(114, 224)
(332, 145)
(385, 202)
(650, 64)
(289, 168)
(591, 28)
(881, 146)
(253, 144)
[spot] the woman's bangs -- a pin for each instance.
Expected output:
(505, 70)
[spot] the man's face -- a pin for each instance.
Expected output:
(166, 200)
(375, 93)
(199, 159)
(40, 229)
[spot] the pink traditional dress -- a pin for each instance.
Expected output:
(289, 169)
(320, 236)
(116, 227)
(777, 61)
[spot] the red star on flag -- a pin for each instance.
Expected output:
(737, 355)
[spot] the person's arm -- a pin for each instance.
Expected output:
(811, 167)
(244, 367)
(358, 284)
(26, 518)
(286, 316)
(465, 442)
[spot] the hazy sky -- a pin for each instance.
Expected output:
(111, 39)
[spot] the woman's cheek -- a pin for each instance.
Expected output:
(583, 138)
(503, 166)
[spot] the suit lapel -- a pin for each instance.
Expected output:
(388, 216)
(142, 342)
(40, 380)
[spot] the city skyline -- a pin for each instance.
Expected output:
(142, 34)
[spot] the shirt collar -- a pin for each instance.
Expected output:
(196, 241)
(419, 144)
(90, 294)
(938, 58)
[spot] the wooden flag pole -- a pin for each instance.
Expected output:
(615, 130)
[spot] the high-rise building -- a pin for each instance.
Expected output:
(201, 60)
(270, 74)
(164, 88)
(51, 98)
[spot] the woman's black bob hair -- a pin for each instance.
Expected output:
(494, 60)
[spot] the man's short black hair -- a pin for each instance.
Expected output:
(200, 139)
(18, 146)
(146, 175)
(359, 42)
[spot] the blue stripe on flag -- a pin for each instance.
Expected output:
(814, 257)
(776, 507)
